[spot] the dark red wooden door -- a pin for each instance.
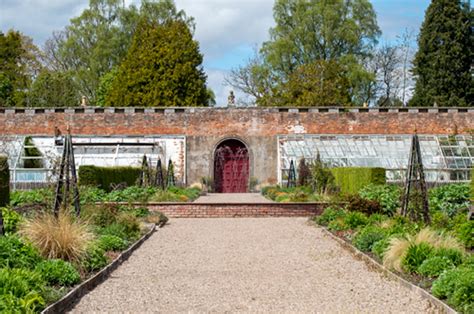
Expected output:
(231, 167)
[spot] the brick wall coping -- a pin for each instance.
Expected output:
(219, 204)
(172, 110)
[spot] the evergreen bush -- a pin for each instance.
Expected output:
(351, 180)
(106, 177)
(4, 181)
(58, 272)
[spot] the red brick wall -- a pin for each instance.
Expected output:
(259, 122)
(187, 210)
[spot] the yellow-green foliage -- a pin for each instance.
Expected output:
(351, 180)
(4, 181)
(105, 177)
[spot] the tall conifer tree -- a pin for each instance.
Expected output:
(163, 68)
(443, 64)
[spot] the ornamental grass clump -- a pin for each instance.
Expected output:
(421, 246)
(63, 237)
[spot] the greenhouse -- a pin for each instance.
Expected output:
(445, 158)
(98, 151)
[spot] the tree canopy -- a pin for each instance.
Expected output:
(443, 65)
(312, 33)
(14, 78)
(163, 68)
(98, 40)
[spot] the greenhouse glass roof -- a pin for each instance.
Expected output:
(446, 158)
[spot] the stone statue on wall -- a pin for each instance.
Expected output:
(231, 99)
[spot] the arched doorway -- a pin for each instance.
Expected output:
(231, 167)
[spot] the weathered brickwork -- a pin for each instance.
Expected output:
(239, 210)
(258, 128)
(244, 122)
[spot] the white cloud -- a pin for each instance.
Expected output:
(226, 29)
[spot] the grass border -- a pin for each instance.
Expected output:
(73, 297)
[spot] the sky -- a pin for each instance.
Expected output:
(228, 31)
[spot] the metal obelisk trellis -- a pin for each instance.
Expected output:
(415, 179)
(170, 181)
(67, 179)
(159, 181)
(291, 176)
(144, 179)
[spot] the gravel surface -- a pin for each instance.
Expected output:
(247, 265)
(239, 198)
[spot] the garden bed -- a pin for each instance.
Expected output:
(373, 263)
(72, 297)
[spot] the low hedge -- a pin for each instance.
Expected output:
(4, 181)
(350, 180)
(105, 177)
(472, 184)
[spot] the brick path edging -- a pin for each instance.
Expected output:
(213, 210)
(371, 263)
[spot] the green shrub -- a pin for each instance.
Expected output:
(440, 220)
(14, 253)
(472, 184)
(31, 303)
(457, 286)
(131, 225)
(112, 243)
(322, 179)
(114, 229)
(138, 212)
(351, 180)
(367, 237)
(468, 261)
(101, 215)
(432, 267)
(338, 225)
(374, 218)
(450, 199)
(329, 214)
(4, 181)
(454, 255)
(380, 247)
(58, 272)
(131, 194)
(415, 255)
(27, 197)
(95, 258)
(465, 233)
(388, 196)
(106, 177)
(270, 191)
(20, 291)
(355, 219)
(11, 220)
(91, 194)
(359, 204)
(190, 193)
(445, 285)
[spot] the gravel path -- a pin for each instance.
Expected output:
(246, 265)
(251, 198)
